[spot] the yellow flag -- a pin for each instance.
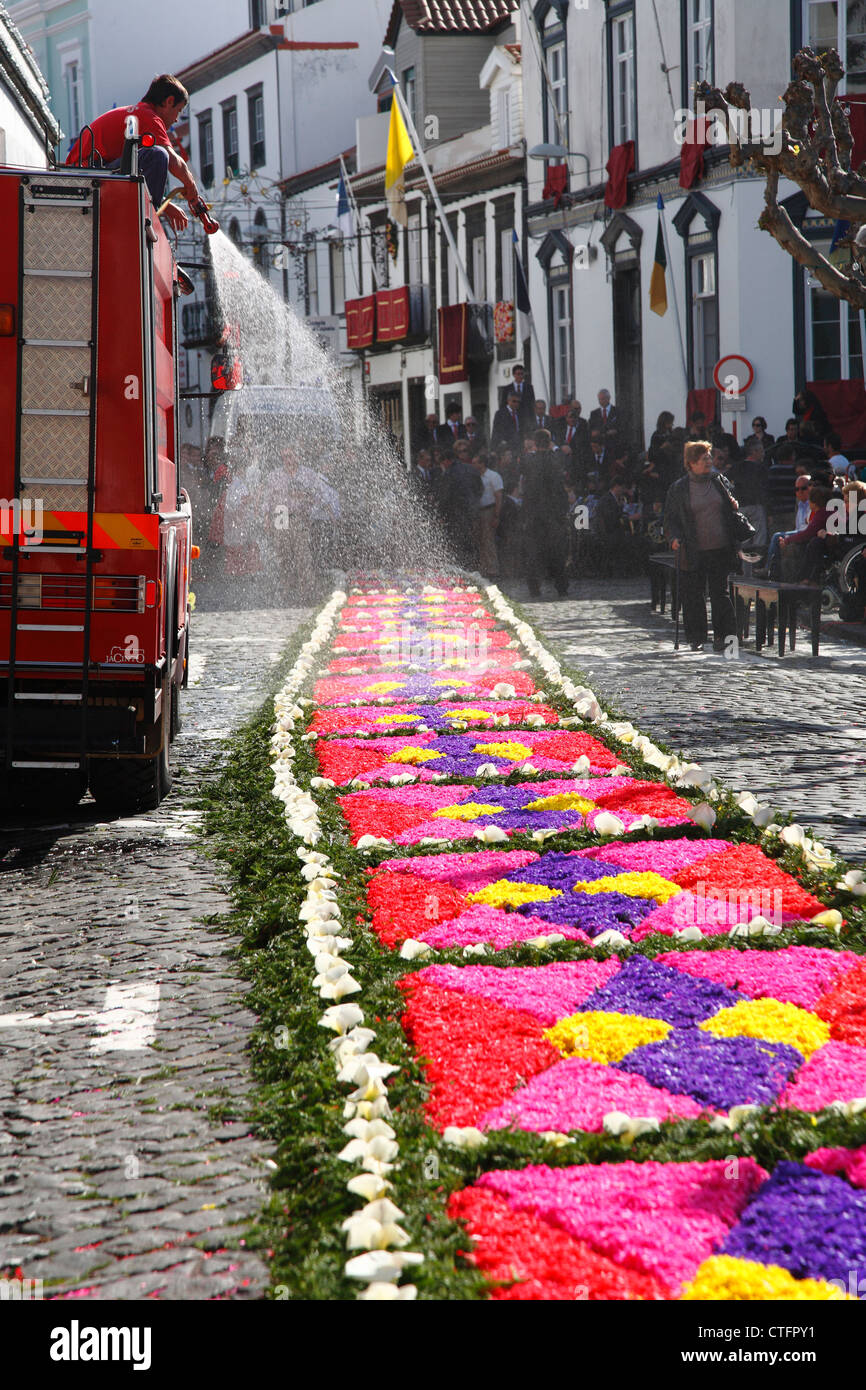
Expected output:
(400, 152)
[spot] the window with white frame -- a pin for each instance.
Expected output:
(338, 278)
(557, 94)
(699, 43)
(205, 148)
(504, 133)
(705, 312)
(623, 78)
(834, 349)
(828, 24)
(506, 253)
(74, 82)
(479, 267)
(561, 335)
(410, 89)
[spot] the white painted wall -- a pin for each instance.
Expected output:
(19, 144)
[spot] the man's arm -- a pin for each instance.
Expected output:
(183, 173)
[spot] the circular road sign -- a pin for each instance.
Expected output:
(734, 365)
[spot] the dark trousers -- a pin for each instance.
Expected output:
(153, 164)
(708, 568)
(546, 554)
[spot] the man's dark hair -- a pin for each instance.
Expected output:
(787, 451)
(163, 87)
(542, 440)
(454, 409)
(819, 495)
(793, 421)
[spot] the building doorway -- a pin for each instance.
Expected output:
(627, 346)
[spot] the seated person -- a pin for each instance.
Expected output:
(813, 535)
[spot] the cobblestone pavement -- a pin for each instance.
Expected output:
(791, 730)
(131, 1172)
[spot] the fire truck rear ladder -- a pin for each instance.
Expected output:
(55, 448)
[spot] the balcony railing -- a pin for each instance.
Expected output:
(200, 328)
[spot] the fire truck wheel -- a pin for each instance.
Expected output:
(135, 784)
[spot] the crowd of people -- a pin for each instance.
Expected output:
(556, 496)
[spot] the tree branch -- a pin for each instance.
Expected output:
(775, 220)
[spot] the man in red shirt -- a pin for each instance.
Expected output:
(158, 109)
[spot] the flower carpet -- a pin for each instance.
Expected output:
(592, 967)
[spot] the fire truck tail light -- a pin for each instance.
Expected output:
(7, 320)
(149, 594)
(115, 593)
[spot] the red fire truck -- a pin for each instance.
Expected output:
(95, 529)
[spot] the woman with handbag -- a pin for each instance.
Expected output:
(706, 528)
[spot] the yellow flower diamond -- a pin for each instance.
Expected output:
(633, 885)
(398, 719)
(452, 684)
(771, 1021)
(413, 755)
(515, 752)
(504, 893)
(562, 801)
(468, 713)
(467, 810)
(604, 1037)
(384, 687)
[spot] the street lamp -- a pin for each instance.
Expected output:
(558, 152)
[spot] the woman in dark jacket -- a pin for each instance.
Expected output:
(700, 522)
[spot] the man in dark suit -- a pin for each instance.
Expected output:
(604, 423)
(508, 424)
(453, 429)
(425, 437)
(473, 433)
(574, 431)
(523, 390)
(540, 419)
(545, 517)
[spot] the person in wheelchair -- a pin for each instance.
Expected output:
(805, 566)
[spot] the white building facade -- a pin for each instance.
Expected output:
(602, 80)
(28, 129)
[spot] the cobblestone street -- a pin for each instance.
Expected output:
(793, 731)
(125, 1170)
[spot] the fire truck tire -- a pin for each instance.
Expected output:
(135, 784)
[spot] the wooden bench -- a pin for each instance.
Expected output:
(775, 606)
(663, 570)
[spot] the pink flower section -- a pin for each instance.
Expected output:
(683, 911)
(547, 992)
(796, 974)
(847, 1163)
(837, 1071)
(665, 857)
(495, 927)
(466, 872)
(577, 1094)
(663, 1218)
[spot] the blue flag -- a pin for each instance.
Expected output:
(345, 220)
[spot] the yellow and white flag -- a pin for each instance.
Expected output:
(400, 153)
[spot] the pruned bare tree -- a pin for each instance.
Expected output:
(813, 149)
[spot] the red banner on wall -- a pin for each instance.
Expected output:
(392, 315)
(360, 321)
(453, 335)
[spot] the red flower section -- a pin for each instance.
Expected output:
(642, 799)
(746, 867)
(405, 906)
(389, 817)
(844, 1007)
(477, 1051)
(536, 1260)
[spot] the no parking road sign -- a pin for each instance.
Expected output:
(733, 376)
